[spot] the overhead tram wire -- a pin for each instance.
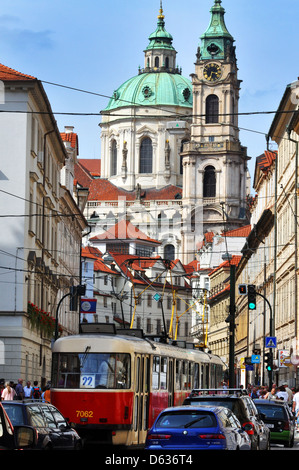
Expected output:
(133, 103)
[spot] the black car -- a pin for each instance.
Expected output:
(53, 430)
(15, 437)
(242, 406)
(279, 419)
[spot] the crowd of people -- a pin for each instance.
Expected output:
(282, 392)
(290, 396)
(18, 391)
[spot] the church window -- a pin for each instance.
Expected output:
(113, 158)
(167, 62)
(156, 61)
(209, 182)
(169, 252)
(212, 109)
(146, 156)
(181, 158)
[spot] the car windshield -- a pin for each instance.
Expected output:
(272, 411)
(15, 413)
(190, 419)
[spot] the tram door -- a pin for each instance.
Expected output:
(170, 382)
(141, 398)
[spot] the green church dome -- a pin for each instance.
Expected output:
(160, 83)
(153, 89)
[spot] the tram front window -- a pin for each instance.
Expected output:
(90, 371)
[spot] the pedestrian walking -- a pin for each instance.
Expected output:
(282, 394)
(296, 402)
(289, 392)
(27, 389)
(36, 392)
(271, 395)
(8, 393)
(19, 390)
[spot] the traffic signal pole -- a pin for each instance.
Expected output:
(232, 326)
(270, 369)
(250, 291)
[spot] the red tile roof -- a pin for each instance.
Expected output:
(235, 260)
(265, 160)
(92, 165)
(72, 138)
(8, 74)
(238, 232)
(104, 190)
(124, 230)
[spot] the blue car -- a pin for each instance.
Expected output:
(197, 428)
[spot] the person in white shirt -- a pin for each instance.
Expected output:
(27, 390)
(282, 394)
(296, 402)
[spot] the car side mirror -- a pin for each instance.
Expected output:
(25, 437)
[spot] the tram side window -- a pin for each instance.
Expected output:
(184, 375)
(196, 376)
(190, 374)
(163, 375)
(178, 375)
(156, 373)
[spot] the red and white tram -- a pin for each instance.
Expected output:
(113, 386)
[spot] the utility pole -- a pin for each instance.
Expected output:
(232, 326)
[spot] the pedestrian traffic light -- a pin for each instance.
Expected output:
(251, 297)
(243, 289)
(269, 361)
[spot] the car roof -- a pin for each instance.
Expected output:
(26, 402)
(270, 402)
(215, 409)
(218, 392)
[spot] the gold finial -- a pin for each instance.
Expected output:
(161, 16)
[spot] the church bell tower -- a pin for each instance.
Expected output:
(215, 175)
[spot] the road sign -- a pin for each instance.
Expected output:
(255, 359)
(157, 297)
(270, 342)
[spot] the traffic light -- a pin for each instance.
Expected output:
(243, 289)
(251, 297)
(73, 299)
(269, 361)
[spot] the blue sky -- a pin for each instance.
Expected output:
(96, 45)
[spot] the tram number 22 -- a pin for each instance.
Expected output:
(84, 414)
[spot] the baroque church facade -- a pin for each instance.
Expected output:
(172, 163)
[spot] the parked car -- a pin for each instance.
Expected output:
(15, 437)
(197, 428)
(242, 406)
(53, 430)
(280, 421)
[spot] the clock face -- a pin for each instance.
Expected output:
(212, 72)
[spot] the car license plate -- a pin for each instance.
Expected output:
(270, 425)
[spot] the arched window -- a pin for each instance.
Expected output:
(156, 61)
(167, 62)
(209, 182)
(113, 158)
(212, 109)
(169, 252)
(146, 156)
(181, 158)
